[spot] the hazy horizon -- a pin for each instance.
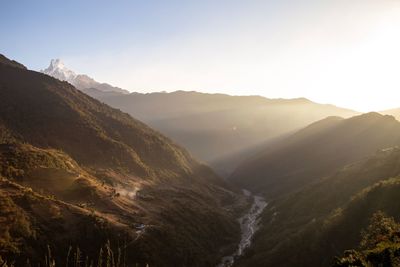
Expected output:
(343, 53)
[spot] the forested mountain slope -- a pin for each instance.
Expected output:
(316, 151)
(80, 173)
(312, 226)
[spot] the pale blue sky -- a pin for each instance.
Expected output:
(36, 31)
(343, 52)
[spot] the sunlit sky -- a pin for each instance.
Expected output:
(343, 52)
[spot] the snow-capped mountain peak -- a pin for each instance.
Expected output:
(58, 70)
(57, 64)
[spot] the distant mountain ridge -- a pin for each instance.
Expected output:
(395, 112)
(315, 151)
(220, 129)
(217, 127)
(58, 70)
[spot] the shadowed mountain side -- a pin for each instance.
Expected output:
(314, 224)
(226, 164)
(50, 113)
(213, 126)
(66, 152)
(316, 151)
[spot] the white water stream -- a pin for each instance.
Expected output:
(248, 225)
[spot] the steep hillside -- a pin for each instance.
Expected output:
(311, 226)
(316, 151)
(49, 113)
(214, 127)
(81, 164)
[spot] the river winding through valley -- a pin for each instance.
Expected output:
(248, 226)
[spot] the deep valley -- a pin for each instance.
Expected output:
(200, 133)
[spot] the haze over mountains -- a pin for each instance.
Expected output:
(325, 183)
(215, 126)
(77, 172)
(323, 218)
(394, 112)
(219, 129)
(316, 151)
